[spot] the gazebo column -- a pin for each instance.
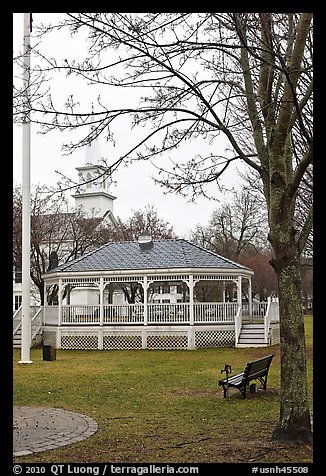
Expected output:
(250, 300)
(60, 302)
(145, 288)
(239, 290)
(101, 302)
(191, 330)
(101, 288)
(45, 305)
(191, 300)
(144, 331)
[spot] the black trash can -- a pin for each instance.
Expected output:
(252, 388)
(49, 352)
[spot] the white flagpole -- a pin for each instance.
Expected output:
(26, 205)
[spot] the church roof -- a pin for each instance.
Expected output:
(159, 254)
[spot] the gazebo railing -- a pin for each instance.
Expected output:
(81, 314)
(168, 313)
(258, 310)
(157, 313)
(123, 314)
(215, 312)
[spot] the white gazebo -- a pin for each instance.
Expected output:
(164, 309)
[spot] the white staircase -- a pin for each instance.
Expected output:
(36, 333)
(36, 324)
(17, 339)
(252, 335)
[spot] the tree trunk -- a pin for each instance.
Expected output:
(294, 422)
(40, 286)
(41, 293)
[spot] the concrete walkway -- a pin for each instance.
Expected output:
(41, 429)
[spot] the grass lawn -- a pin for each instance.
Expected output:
(160, 406)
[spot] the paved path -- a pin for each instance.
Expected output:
(41, 429)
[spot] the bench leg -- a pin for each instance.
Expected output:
(263, 381)
(243, 391)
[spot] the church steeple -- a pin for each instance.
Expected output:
(93, 194)
(93, 153)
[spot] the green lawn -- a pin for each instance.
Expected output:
(159, 406)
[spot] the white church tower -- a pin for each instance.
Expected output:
(93, 194)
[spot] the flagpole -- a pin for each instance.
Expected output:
(26, 204)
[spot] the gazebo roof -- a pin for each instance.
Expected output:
(158, 254)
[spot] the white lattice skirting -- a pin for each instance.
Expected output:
(158, 337)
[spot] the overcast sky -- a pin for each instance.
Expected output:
(135, 188)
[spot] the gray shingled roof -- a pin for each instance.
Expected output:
(160, 254)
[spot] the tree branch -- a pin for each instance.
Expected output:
(305, 231)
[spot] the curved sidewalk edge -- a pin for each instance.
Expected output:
(38, 429)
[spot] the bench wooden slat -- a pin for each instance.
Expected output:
(254, 370)
(235, 379)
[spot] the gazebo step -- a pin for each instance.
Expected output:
(251, 339)
(243, 345)
(251, 331)
(253, 326)
(252, 335)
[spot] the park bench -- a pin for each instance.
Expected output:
(255, 370)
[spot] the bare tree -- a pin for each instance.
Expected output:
(236, 226)
(264, 282)
(237, 230)
(254, 187)
(140, 221)
(58, 234)
(244, 76)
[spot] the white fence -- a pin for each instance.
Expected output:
(258, 310)
(85, 314)
(139, 326)
(123, 314)
(212, 312)
(166, 313)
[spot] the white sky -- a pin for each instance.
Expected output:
(135, 188)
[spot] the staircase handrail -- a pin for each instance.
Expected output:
(17, 311)
(267, 320)
(38, 315)
(238, 324)
(16, 328)
(17, 319)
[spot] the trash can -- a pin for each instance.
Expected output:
(49, 352)
(252, 388)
